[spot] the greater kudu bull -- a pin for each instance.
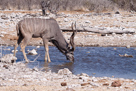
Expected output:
(49, 31)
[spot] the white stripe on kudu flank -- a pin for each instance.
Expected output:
(31, 23)
(41, 25)
(34, 25)
(44, 25)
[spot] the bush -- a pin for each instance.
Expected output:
(126, 4)
(92, 5)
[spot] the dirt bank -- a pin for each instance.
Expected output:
(106, 21)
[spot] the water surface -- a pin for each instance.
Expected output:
(95, 61)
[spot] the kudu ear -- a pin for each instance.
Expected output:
(72, 37)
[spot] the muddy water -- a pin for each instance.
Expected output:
(95, 61)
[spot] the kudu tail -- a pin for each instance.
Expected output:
(17, 29)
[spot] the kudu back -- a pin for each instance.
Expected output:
(49, 31)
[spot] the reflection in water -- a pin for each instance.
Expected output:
(95, 61)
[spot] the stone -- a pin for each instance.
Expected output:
(84, 84)
(116, 84)
(94, 84)
(66, 20)
(5, 66)
(117, 12)
(106, 84)
(84, 74)
(13, 51)
(85, 79)
(32, 52)
(63, 84)
(35, 69)
(87, 21)
(4, 17)
(64, 71)
(1, 35)
(128, 46)
(8, 58)
(37, 47)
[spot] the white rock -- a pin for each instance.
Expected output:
(8, 58)
(94, 84)
(1, 35)
(37, 46)
(32, 52)
(84, 74)
(128, 46)
(64, 71)
(66, 20)
(87, 21)
(44, 79)
(13, 51)
(85, 79)
(74, 85)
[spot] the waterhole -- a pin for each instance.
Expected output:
(94, 61)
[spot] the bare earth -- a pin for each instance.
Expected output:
(103, 21)
(16, 77)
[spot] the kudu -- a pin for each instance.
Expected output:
(49, 31)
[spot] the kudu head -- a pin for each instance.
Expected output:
(71, 45)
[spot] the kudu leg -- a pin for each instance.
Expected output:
(17, 43)
(23, 45)
(47, 57)
(47, 53)
(15, 48)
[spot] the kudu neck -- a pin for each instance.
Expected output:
(61, 45)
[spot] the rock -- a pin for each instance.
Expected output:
(94, 79)
(4, 17)
(87, 21)
(35, 69)
(94, 84)
(13, 51)
(37, 47)
(85, 79)
(32, 52)
(8, 58)
(1, 35)
(74, 85)
(116, 84)
(125, 55)
(5, 66)
(106, 84)
(128, 46)
(84, 74)
(117, 12)
(64, 71)
(113, 34)
(84, 84)
(63, 84)
(66, 20)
